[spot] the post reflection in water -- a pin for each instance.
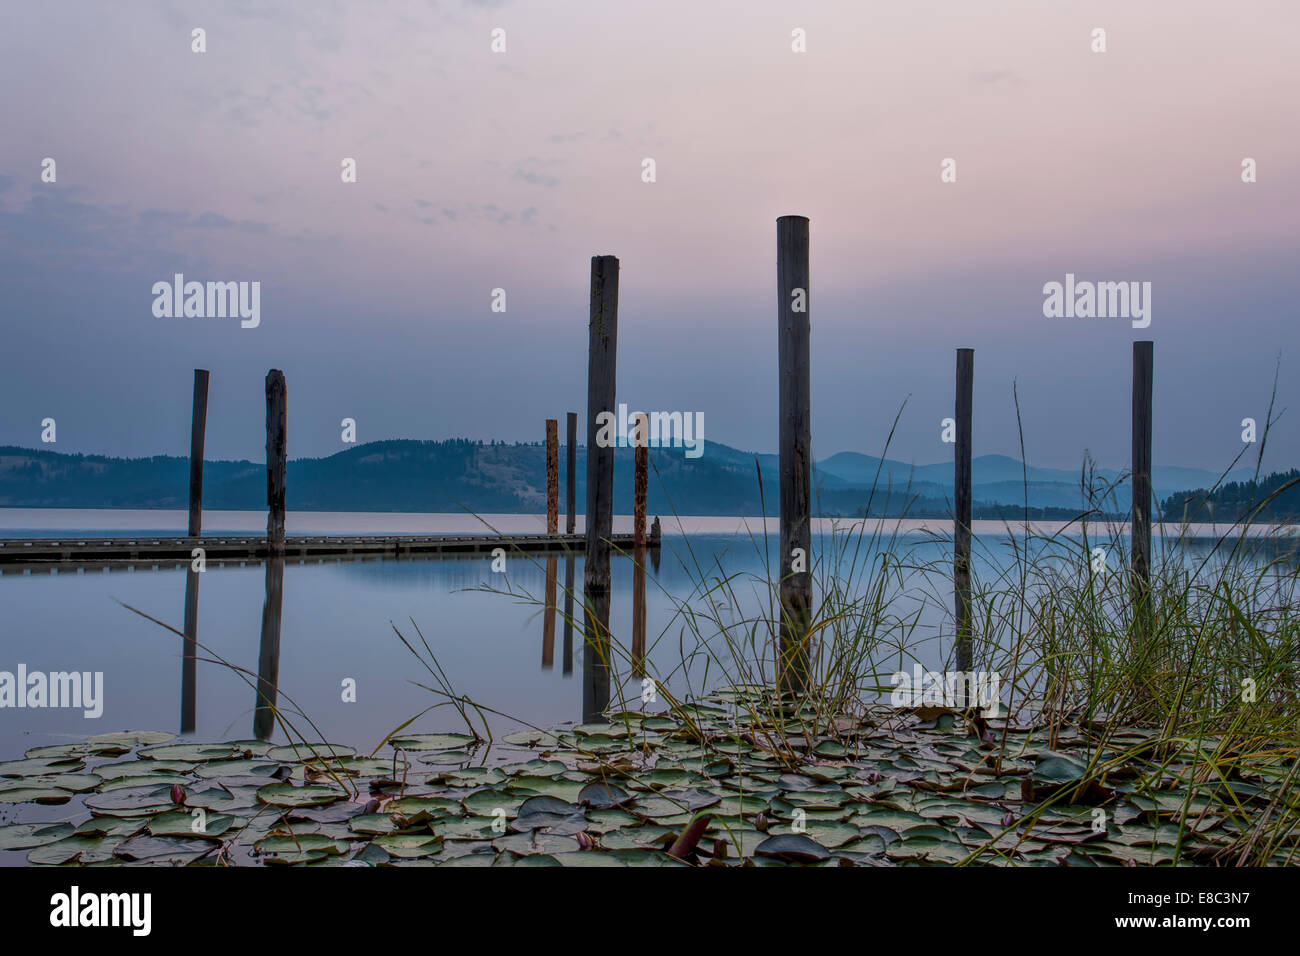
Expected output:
(568, 616)
(268, 657)
(638, 613)
(548, 619)
(595, 654)
(189, 662)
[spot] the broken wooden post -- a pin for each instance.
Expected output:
(962, 507)
(276, 451)
(794, 446)
(198, 427)
(601, 368)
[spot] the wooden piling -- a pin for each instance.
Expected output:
(552, 527)
(601, 368)
(198, 428)
(962, 506)
(552, 476)
(1140, 559)
(795, 447)
(601, 391)
(641, 484)
(276, 459)
(571, 474)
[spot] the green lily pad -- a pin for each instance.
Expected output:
(792, 847)
(25, 836)
(287, 795)
(431, 742)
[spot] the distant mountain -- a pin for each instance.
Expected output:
(495, 477)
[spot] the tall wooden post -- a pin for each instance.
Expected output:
(198, 428)
(601, 391)
(276, 452)
(189, 669)
(1140, 561)
(962, 507)
(570, 474)
(641, 484)
(795, 446)
(552, 527)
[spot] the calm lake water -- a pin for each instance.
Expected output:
(337, 618)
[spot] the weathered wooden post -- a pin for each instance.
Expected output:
(570, 526)
(198, 428)
(1140, 560)
(601, 391)
(552, 527)
(641, 484)
(795, 444)
(276, 451)
(570, 474)
(552, 476)
(962, 508)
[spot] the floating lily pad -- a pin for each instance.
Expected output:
(182, 823)
(287, 795)
(431, 742)
(25, 836)
(792, 847)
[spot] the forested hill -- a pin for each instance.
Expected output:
(495, 477)
(427, 476)
(1277, 498)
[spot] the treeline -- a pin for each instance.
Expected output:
(1275, 498)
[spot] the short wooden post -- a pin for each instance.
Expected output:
(794, 446)
(276, 452)
(198, 427)
(601, 391)
(552, 476)
(1140, 560)
(571, 474)
(962, 508)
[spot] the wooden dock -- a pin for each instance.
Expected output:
(217, 549)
